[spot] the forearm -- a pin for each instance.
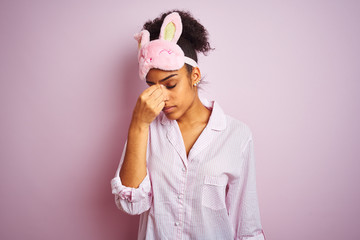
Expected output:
(133, 170)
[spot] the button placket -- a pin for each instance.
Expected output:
(180, 199)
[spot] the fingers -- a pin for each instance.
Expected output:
(151, 93)
(158, 103)
(156, 95)
(150, 90)
(160, 107)
(158, 99)
(150, 103)
(155, 90)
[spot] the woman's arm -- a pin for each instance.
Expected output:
(242, 200)
(133, 170)
(148, 106)
(133, 193)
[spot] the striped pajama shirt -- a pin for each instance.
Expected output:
(209, 194)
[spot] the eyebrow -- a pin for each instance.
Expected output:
(164, 79)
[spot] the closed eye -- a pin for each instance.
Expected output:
(169, 87)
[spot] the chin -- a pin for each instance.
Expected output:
(171, 116)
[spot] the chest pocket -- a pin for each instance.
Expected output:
(213, 192)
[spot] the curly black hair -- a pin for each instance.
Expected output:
(194, 37)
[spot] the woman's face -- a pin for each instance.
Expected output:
(178, 89)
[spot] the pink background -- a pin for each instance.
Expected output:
(68, 83)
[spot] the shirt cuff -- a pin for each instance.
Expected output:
(259, 236)
(131, 194)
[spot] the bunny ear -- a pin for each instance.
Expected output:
(171, 28)
(142, 37)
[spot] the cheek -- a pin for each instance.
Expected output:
(181, 94)
(185, 95)
(176, 92)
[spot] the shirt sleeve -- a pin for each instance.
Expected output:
(242, 200)
(133, 201)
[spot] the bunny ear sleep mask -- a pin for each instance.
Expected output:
(162, 53)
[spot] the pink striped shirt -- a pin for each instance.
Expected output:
(211, 194)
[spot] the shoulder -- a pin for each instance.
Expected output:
(239, 131)
(238, 126)
(232, 127)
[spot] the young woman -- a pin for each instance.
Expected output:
(186, 167)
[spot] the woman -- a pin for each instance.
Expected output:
(186, 167)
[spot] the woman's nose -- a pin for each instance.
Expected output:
(165, 92)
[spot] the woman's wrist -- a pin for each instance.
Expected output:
(138, 126)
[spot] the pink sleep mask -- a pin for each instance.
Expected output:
(162, 53)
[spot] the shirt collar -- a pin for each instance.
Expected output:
(217, 120)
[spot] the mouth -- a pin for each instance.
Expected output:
(168, 109)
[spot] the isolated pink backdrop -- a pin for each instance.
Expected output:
(68, 83)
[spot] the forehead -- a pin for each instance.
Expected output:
(155, 75)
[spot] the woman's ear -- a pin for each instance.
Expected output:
(195, 75)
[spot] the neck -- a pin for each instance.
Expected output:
(196, 114)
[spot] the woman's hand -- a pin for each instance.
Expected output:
(149, 105)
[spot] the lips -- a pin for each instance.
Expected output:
(168, 109)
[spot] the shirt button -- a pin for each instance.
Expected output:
(179, 196)
(177, 223)
(183, 169)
